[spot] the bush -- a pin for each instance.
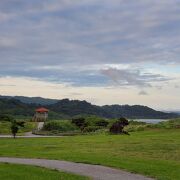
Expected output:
(134, 122)
(96, 121)
(4, 117)
(91, 128)
(79, 122)
(60, 126)
(171, 124)
(118, 126)
(102, 123)
(90, 123)
(5, 127)
(133, 128)
(136, 126)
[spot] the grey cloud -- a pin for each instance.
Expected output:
(77, 35)
(129, 77)
(111, 32)
(143, 93)
(75, 94)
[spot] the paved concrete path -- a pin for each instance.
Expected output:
(30, 135)
(40, 125)
(94, 171)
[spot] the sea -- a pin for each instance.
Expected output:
(151, 121)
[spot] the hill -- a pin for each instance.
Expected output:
(76, 107)
(16, 107)
(69, 108)
(31, 100)
(136, 111)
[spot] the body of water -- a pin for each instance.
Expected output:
(152, 121)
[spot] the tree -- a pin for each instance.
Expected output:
(118, 126)
(5, 117)
(102, 123)
(15, 127)
(80, 122)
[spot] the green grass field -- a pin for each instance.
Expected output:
(5, 127)
(24, 172)
(155, 153)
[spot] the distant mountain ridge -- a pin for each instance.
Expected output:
(25, 106)
(32, 100)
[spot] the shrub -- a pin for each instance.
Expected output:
(60, 126)
(80, 122)
(134, 122)
(91, 128)
(102, 123)
(4, 117)
(171, 124)
(118, 126)
(96, 121)
(133, 128)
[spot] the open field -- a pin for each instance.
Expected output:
(21, 172)
(155, 153)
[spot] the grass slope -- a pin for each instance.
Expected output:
(5, 127)
(22, 172)
(154, 153)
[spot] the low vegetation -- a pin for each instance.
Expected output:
(58, 127)
(141, 126)
(22, 172)
(78, 125)
(94, 124)
(154, 153)
(5, 127)
(171, 124)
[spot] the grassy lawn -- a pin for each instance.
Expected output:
(5, 127)
(155, 153)
(21, 172)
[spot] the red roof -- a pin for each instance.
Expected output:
(42, 110)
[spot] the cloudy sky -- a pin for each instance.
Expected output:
(103, 51)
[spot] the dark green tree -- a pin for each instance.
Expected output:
(102, 123)
(5, 117)
(15, 127)
(118, 126)
(80, 122)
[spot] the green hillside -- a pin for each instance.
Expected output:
(66, 109)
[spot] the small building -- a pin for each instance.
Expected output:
(41, 115)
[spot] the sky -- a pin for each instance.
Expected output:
(105, 52)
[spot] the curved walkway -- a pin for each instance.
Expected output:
(30, 135)
(94, 171)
